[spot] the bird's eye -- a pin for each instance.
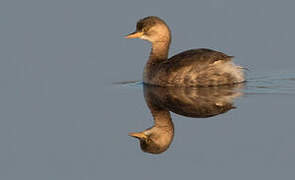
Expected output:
(145, 30)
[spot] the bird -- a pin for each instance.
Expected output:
(195, 67)
(185, 101)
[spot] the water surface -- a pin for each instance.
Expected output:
(61, 116)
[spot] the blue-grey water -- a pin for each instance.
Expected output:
(62, 115)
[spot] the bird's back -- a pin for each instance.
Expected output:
(196, 67)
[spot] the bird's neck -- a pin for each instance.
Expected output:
(159, 51)
(162, 118)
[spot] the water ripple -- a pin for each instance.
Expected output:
(271, 83)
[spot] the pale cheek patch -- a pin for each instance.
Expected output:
(144, 38)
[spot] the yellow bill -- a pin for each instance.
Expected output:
(134, 35)
(139, 135)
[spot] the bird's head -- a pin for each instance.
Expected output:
(152, 29)
(154, 140)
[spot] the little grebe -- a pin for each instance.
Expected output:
(186, 101)
(196, 67)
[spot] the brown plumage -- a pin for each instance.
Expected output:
(186, 101)
(196, 67)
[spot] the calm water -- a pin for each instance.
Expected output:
(62, 115)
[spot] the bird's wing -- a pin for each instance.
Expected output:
(196, 57)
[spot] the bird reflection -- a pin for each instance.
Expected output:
(189, 102)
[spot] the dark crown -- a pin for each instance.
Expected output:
(146, 23)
